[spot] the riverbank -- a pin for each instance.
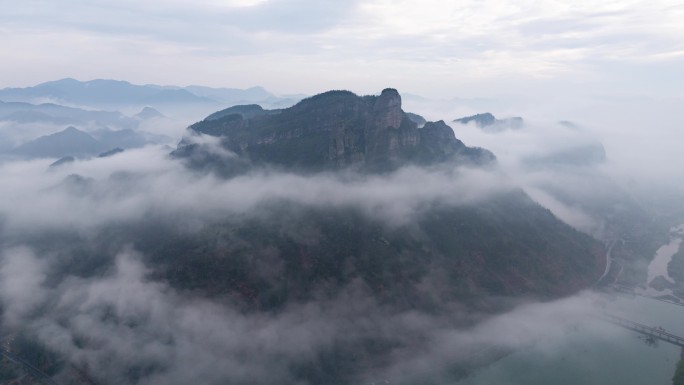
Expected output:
(594, 352)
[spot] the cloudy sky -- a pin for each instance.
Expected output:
(466, 48)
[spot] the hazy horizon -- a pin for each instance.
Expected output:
(436, 49)
(341, 241)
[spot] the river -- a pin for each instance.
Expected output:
(596, 352)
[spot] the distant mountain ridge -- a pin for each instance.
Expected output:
(149, 113)
(488, 122)
(24, 112)
(99, 92)
(72, 142)
(69, 142)
(114, 93)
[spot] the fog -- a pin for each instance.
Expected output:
(641, 137)
(640, 134)
(87, 247)
(123, 325)
(125, 328)
(137, 183)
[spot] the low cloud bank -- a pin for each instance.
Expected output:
(125, 328)
(138, 183)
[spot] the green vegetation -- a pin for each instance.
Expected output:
(36, 354)
(7, 371)
(507, 246)
(678, 378)
(281, 254)
(330, 131)
(676, 270)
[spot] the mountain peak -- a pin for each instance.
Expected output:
(482, 120)
(65, 81)
(488, 122)
(390, 92)
(332, 130)
(68, 142)
(148, 113)
(71, 130)
(388, 107)
(245, 110)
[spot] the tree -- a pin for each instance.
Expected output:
(678, 378)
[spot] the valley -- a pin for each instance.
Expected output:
(340, 240)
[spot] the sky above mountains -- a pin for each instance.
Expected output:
(433, 48)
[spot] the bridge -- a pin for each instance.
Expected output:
(656, 333)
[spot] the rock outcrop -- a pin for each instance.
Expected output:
(489, 123)
(331, 131)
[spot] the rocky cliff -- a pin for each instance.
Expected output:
(332, 131)
(504, 245)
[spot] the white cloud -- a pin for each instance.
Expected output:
(131, 185)
(122, 321)
(432, 47)
(21, 278)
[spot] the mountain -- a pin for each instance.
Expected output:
(506, 245)
(489, 123)
(120, 138)
(62, 161)
(102, 93)
(74, 142)
(149, 113)
(111, 152)
(69, 142)
(246, 111)
(417, 119)
(482, 120)
(174, 96)
(231, 95)
(27, 113)
(579, 150)
(377, 284)
(587, 154)
(331, 131)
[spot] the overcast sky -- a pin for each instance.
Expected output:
(435, 48)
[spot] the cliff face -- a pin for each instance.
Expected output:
(506, 245)
(335, 130)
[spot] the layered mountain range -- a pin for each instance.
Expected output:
(72, 142)
(342, 210)
(22, 112)
(105, 93)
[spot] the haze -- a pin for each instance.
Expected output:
(97, 249)
(432, 48)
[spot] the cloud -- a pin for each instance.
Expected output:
(21, 279)
(435, 48)
(125, 328)
(123, 324)
(138, 183)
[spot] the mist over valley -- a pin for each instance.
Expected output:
(340, 233)
(318, 193)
